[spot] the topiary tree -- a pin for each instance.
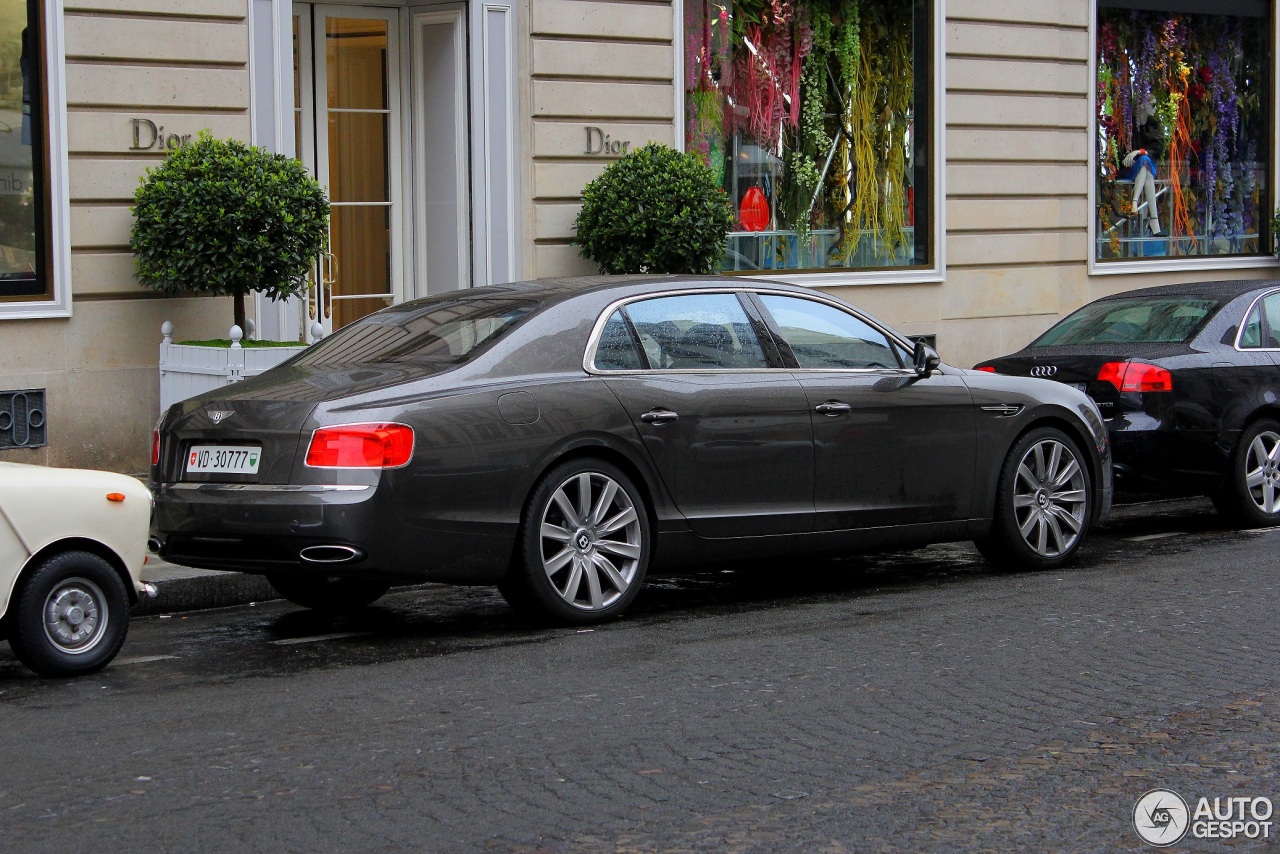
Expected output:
(655, 210)
(222, 217)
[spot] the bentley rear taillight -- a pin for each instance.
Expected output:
(1135, 376)
(365, 446)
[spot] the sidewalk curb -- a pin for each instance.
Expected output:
(185, 589)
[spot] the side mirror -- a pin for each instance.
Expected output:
(926, 359)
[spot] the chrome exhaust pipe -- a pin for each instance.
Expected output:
(154, 545)
(330, 554)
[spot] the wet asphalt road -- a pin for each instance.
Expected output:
(912, 701)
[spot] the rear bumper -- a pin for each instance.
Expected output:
(355, 531)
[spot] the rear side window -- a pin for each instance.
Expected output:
(1262, 328)
(436, 332)
(696, 331)
(1150, 320)
(617, 348)
(822, 336)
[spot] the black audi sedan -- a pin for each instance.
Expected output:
(1187, 380)
(559, 438)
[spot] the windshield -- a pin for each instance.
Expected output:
(1141, 320)
(437, 332)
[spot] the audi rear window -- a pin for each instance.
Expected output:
(433, 333)
(1141, 320)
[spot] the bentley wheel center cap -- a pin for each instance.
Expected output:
(582, 541)
(1042, 497)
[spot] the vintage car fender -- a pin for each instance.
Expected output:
(41, 506)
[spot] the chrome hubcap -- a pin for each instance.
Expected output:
(590, 541)
(74, 614)
(1049, 500)
(1262, 472)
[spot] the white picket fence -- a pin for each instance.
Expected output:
(187, 370)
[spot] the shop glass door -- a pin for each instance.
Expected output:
(347, 121)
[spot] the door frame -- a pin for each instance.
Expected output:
(421, 162)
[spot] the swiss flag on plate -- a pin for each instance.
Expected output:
(192, 461)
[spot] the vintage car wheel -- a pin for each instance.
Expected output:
(326, 593)
(70, 615)
(584, 545)
(1251, 496)
(1043, 503)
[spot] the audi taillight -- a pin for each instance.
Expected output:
(364, 446)
(990, 369)
(1135, 376)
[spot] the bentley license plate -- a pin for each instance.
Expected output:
(224, 459)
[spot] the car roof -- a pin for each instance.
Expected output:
(1230, 289)
(554, 290)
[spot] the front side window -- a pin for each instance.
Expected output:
(1184, 129)
(1165, 320)
(698, 331)
(823, 337)
(24, 273)
(816, 117)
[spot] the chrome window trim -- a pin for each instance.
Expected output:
(209, 486)
(1244, 319)
(593, 341)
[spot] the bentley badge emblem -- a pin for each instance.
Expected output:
(217, 416)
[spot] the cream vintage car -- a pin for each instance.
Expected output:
(72, 543)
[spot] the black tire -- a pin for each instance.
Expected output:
(1257, 454)
(326, 593)
(69, 616)
(1043, 503)
(576, 570)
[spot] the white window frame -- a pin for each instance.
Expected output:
(58, 195)
(1207, 263)
(935, 273)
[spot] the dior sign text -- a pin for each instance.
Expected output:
(148, 136)
(599, 142)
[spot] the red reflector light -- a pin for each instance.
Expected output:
(1135, 376)
(155, 447)
(985, 368)
(365, 446)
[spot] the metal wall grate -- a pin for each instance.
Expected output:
(22, 421)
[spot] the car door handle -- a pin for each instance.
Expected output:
(659, 416)
(832, 408)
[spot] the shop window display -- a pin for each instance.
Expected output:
(22, 219)
(814, 114)
(1183, 135)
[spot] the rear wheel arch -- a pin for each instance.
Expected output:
(602, 451)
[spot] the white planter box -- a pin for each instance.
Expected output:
(187, 370)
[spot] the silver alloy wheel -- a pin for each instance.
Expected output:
(75, 615)
(590, 541)
(1049, 501)
(1262, 471)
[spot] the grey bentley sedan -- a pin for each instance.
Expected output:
(562, 438)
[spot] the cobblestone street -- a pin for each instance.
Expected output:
(914, 701)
